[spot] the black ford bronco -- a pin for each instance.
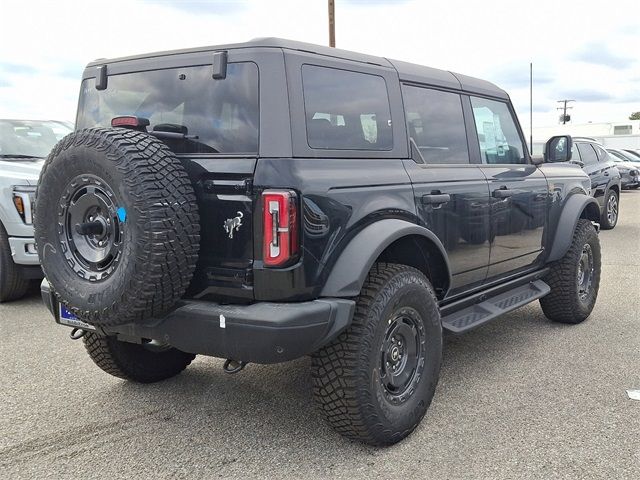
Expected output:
(268, 200)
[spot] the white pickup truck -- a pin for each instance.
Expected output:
(23, 146)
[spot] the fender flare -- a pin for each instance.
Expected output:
(571, 213)
(352, 267)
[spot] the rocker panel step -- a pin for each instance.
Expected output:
(476, 315)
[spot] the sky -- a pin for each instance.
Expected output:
(587, 51)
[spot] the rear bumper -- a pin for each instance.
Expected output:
(259, 333)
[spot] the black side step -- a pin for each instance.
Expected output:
(475, 315)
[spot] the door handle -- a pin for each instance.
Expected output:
(503, 193)
(436, 199)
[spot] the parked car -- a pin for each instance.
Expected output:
(628, 167)
(23, 146)
(606, 181)
(634, 153)
(345, 206)
(624, 155)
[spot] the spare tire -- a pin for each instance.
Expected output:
(116, 225)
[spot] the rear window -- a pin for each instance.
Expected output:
(346, 110)
(217, 116)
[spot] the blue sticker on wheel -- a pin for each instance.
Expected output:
(122, 214)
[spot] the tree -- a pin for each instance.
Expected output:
(634, 116)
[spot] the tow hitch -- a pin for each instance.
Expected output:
(233, 366)
(77, 333)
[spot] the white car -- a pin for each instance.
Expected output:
(23, 146)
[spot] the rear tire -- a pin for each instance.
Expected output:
(12, 285)
(609, 217)
(375, 382)
(135, 362)
(575, 278)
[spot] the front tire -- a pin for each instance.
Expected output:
(609, 217)
(575, 278)
(375, 382)
(12, 285)
(135, 362)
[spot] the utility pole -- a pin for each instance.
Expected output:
(332, 23)
(564, 118)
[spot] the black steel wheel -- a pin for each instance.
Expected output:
(375, 381)
(402, 355)
(91, 227)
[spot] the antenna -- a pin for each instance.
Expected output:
(530, 106)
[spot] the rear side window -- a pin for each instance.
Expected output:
(346, 110)
(603, 156)
(497, 133)
(217, 116)
(587, 154)
(436, 124)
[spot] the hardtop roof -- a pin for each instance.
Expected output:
(408, 72)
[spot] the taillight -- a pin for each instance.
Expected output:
(280, 227)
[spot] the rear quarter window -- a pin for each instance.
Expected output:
(346, 110)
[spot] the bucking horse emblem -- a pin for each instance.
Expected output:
(233, 224)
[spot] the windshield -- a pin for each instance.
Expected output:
(30, 138)
(200, 114)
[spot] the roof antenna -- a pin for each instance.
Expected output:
(531, 107)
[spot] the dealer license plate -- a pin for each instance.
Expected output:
(68, 318)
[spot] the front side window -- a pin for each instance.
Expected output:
(575, 154)
(216, 116)
(587, 154)
(436, 123)
(497, 133)
(346, 110)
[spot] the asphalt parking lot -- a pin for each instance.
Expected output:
(518, 398)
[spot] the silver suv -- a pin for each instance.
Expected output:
(23, 146)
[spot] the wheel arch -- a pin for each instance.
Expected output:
(578, 206)
(394, 241)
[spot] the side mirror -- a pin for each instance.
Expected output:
(558, 149)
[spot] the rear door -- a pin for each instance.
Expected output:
(518, 190)
(451, 194)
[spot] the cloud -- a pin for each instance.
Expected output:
(17, 68)
(206, 7)
(4, 83)
(587, 95)
(71, 71)
(517, 76)
(372, 3)
(599, 54)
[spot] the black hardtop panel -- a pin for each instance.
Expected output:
(258, 43)
(413, 73)
(408, 72)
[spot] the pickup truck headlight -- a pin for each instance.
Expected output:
(23, 200)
